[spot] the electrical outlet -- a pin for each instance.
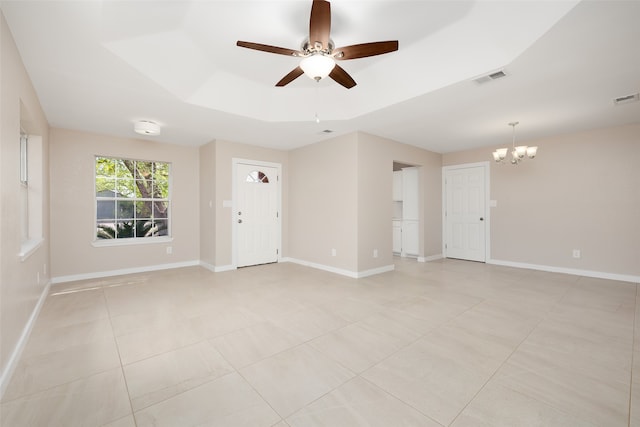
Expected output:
(333, 252)
(169, 250)
(576, 253)
(375, 253)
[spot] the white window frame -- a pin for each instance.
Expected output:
(31, 194)
(125, 241)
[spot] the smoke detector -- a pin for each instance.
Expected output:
(145, 127)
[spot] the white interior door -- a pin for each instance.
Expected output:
(257, 214)
(465, 213)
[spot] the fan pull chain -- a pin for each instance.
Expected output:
(316, 101)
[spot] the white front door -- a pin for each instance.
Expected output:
(257, 216)
(465, 214)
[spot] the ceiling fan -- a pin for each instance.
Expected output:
(318, 52)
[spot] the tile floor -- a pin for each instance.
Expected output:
(447, 343)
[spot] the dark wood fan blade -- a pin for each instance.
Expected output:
(294, 74)
(366, 49)
(341, 76)
(320, 23)
(268, 48)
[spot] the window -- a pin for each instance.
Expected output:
(257, 177)
(132, 199)
(31, 194)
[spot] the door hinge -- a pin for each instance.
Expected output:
(277, 251)
(277, 214)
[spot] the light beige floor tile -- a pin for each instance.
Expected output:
(46, 339)
(74, 307)
(577, 349)
(428, 334)
(497, 406)
(310, 323)
(479, 352)
(227, 401)
(150, 342)
(135, 298)
(127, 421)
(500, 319)
(571, 392)
(359, 403)
(155, 319)
(594, 322)
(634, 415)
(364, 343)
(436, 310)
(252, 344)
(160, 377)
(294, 378)
(223, 321)
(91, 401)
(434, 384)
(351, 309)
(41, 372)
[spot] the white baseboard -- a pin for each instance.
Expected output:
(100, 274)
(342, 272)
(14, 357)
(218, 269)
(573, 271)
(430, 258)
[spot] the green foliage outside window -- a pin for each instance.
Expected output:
(132, 198)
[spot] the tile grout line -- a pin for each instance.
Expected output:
(512, 353)
(124, 377)
(421, 336)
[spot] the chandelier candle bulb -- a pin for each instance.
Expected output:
(517, 153)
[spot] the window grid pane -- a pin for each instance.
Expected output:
(132, 198)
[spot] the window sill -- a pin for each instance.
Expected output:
(128, 242)
(29, 247)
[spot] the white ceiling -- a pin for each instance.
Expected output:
(100, 66)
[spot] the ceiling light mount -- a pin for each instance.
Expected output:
(146, 127)
(517, 153)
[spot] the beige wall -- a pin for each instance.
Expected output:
(73, 212)
(22, 283)
(225, 152)
(340, 192)
(207, 186)
(581, 192)
(323, 186)
(375, 165)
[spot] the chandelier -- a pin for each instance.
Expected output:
(517, 153)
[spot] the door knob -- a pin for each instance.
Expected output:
(239, 221)
(239, 213)
(481, 219)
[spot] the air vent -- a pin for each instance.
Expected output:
(490, 77)
(627, 99)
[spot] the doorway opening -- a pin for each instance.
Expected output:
(406, 202)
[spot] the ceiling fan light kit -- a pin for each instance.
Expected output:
(518, 153)
(317, 66)
(318, 53)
